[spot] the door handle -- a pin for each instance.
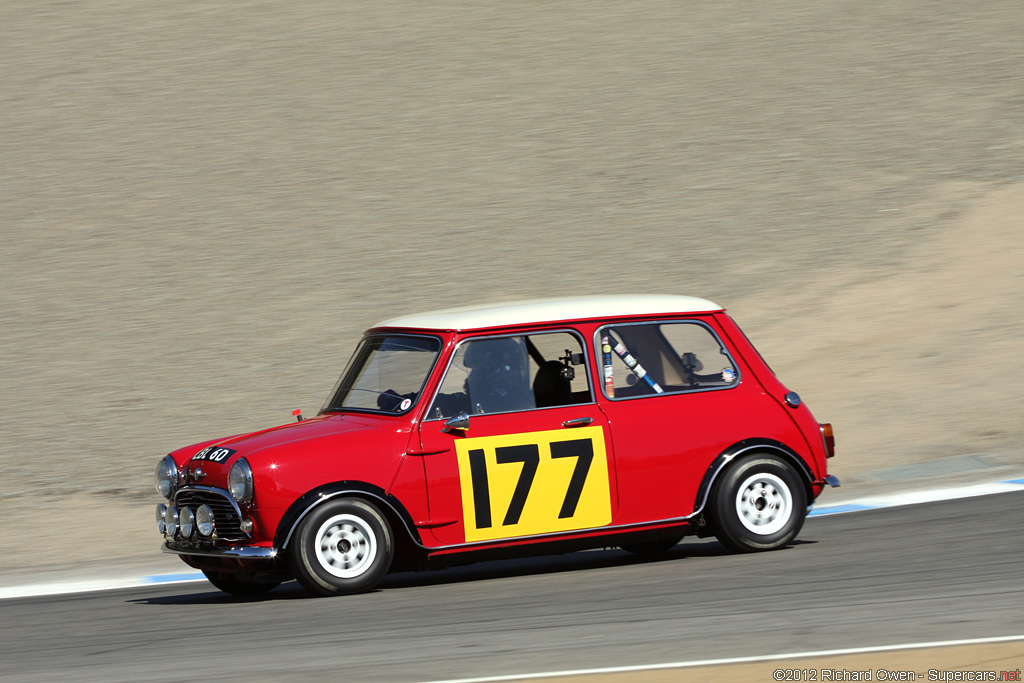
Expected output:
(578, 422)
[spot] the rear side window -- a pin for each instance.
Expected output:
(648, 359)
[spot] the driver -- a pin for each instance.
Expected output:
(499, 375)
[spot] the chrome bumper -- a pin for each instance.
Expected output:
(237, 552)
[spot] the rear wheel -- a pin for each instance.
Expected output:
(344, 546)
(759, 504)
(239, 583)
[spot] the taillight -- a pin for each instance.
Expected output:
(828, 438)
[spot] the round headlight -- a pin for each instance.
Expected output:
(204, 520)
(240, 481)
(161, 511)
(187, 522)
(170, 522)
(166, 477)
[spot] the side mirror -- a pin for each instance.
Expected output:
(458, 423)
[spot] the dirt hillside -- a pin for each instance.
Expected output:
(204, 204)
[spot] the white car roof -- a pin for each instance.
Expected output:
(548, 310)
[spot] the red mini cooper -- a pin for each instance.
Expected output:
(488, 431)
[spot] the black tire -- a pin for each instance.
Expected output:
(652, 547)
(342, 547)
(239, 583)
(759, 503)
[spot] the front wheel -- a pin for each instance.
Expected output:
(239, 583)
(760, 504)
(344, 546)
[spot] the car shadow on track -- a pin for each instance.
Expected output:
(208, 595)
(481, 571)
(554, 564)
(544, 564)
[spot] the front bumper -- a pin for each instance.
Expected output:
(230, 552)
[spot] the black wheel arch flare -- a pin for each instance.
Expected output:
(744, 448)
(304, 504)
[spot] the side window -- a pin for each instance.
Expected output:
(659, 358)
(507, 374)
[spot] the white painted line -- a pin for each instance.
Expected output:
(737, 660)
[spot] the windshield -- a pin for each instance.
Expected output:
(386, 374)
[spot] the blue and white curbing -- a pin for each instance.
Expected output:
(88, 586)
(856, 505)
(917, 497)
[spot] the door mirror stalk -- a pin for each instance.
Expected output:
(458, 423)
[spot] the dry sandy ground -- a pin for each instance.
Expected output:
(204, 204)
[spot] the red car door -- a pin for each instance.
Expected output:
(518, 474)
(523, 467)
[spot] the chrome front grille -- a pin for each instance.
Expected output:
(227, 517)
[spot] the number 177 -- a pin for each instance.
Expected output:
(529, 456)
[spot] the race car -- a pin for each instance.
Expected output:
(490, 431)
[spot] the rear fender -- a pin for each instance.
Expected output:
(745, 448)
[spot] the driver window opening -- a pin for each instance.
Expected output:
(508, 374)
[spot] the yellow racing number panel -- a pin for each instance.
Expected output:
(534, 483)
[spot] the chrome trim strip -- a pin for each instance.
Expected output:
(243, 465)
(677, 321)
(215, 491)
(621, 527)
(348, 366)
(725, 461)
(656, 522)
(298, 520)
(475, 544)
(237, 552)
(711, 482)
(611, 529)
(568, 330)
(173, 477)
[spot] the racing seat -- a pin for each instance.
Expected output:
(550, 386)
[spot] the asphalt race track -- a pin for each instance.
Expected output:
(938, 571)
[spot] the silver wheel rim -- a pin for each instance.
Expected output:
(764, 504)
(345, 546)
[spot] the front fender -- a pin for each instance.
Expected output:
(390, 505)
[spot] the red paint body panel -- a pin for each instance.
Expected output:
(664, 444)
(813, 452)
(657, 451)
(293, 459)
